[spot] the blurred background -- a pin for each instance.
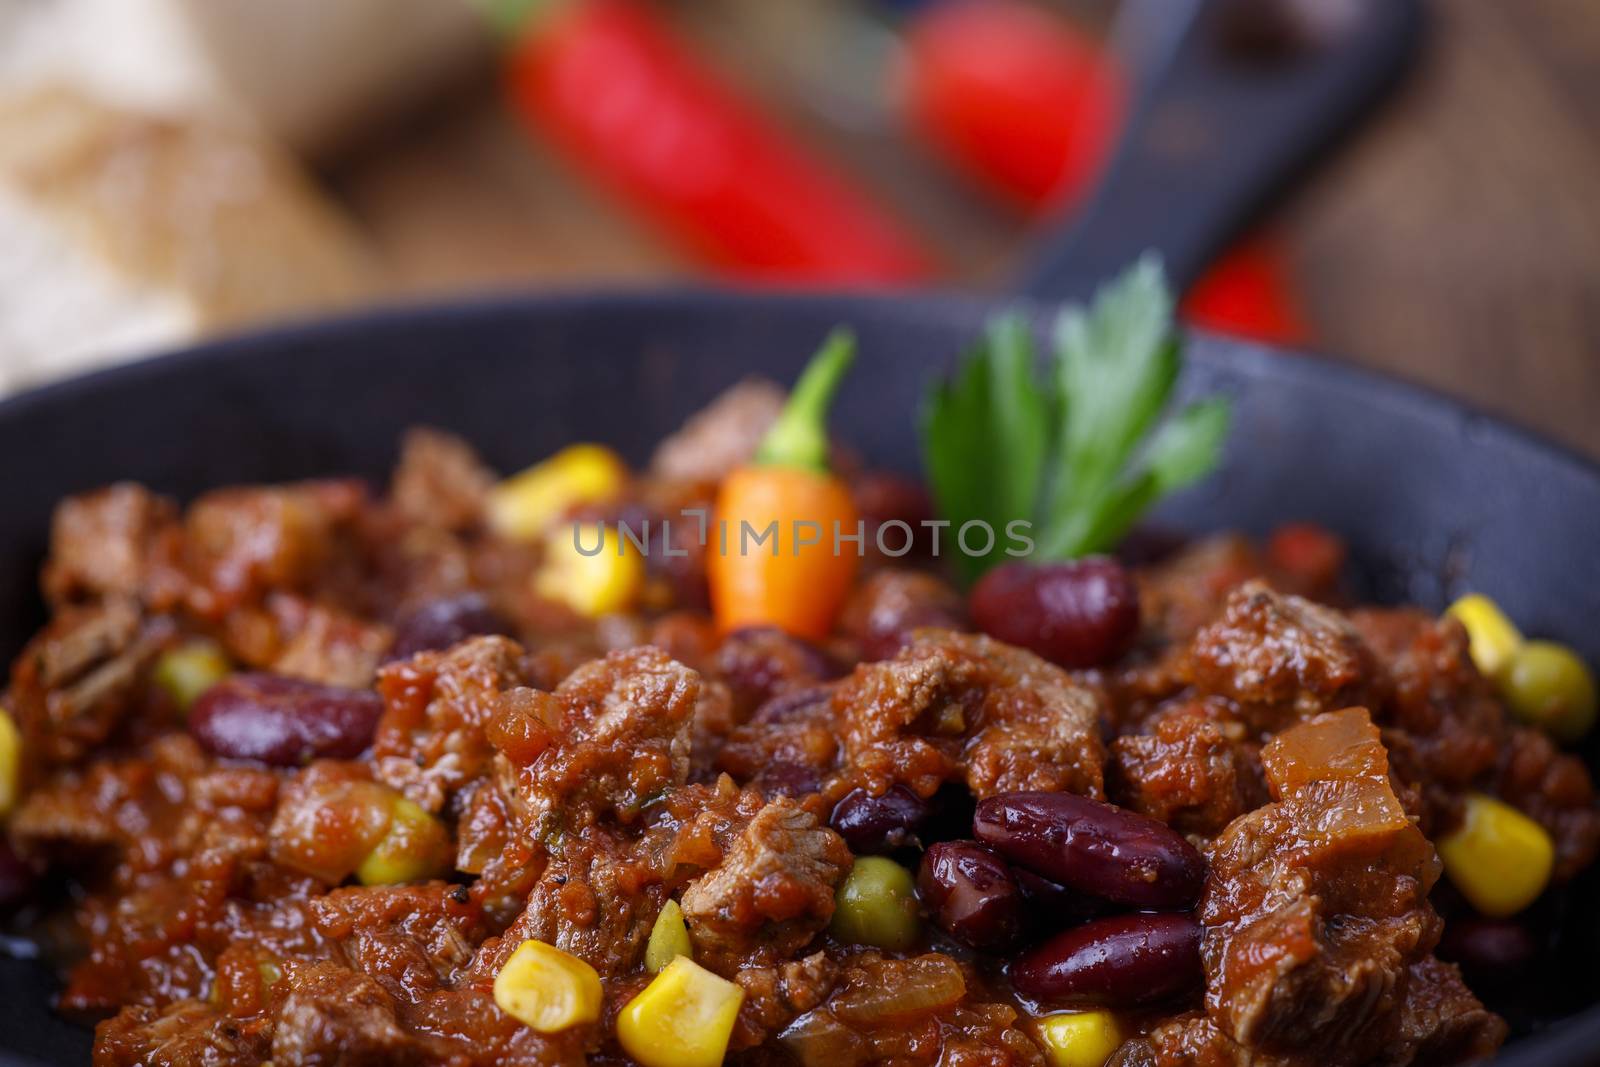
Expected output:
(175, 168)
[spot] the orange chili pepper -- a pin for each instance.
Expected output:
(797, 578)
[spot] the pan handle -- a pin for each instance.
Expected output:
(1217, 138)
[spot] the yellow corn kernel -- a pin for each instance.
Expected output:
(669, 939)
(683, 1018)
(415, 848)
(547, 989)
(1079, 1038)
(189, 670)
(591, 582)
(1493, 638)
(1499, 858)
(10, 763)
(876, 905)
(523, 506)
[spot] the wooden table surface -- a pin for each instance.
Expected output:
(1455, 241)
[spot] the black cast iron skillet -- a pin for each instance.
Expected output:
(1432, 498)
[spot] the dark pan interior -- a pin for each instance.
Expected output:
(1432, 498)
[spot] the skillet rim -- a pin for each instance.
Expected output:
(1573, 1040)
(1221, 350)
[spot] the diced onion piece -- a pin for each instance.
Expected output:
(683, 1018)
(1498, 857)
(547, 989)
(1335, 744)
(909, 988)
(523, 507)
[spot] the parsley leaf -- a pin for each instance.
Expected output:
(1083, 450)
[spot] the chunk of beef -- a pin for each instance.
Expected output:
(106, 804)
(409, 938)
(601, 885)
(188, 1033)
(1189, 1040)
(1187, 591)
(622, 740)
(240, 543)
(775, 995)
(1193, 769)
(333, 1015)
(1555, 789)
(1442, 1024)
(1278, 658)
(431, 741)
(787, 747)
(772, 892)
(1442, 722)
(323, 644)
(964, 706)
(440, 482)
(1449, 733)
(109, 543)
(722, 435)
(1316, 906)
(80, 676)
(597, 899)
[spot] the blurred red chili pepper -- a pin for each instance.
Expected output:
(1013, 96)
(630, 103)
(1249, 292)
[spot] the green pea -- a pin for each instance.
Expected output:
(189, 670)
(1547, 685)
(876, 905)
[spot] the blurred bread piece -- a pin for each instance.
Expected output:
(308, 72)
(316, 72)
(134, 232)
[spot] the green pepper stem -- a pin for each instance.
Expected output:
(800, 436)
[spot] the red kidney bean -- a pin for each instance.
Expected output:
(971, 893)
(783, 778)
(1093, 847)
(439, 624)
(1490, 948)
(881, 497)
(761, 662)
(875, 826)
(884, 610)
(1080, 614)
(1121, 961)
(282, 721)
(794, 702)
